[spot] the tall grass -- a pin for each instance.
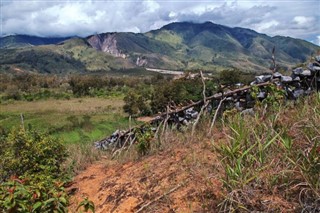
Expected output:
(274, 155)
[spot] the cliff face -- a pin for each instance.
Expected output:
(106, 43)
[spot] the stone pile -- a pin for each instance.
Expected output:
(300, 83)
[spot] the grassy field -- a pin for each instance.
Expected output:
(78, 120)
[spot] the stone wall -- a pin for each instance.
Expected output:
(301, 82)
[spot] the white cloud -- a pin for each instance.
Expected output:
(264, 26)
(317, 40)
(84, 17)
(301, 20)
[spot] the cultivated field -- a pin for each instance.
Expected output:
(74, 121)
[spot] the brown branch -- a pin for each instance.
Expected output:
(213, 97)
(205, 101)
(161, 196)
(165, 123)
(22, 121)
(215, 114)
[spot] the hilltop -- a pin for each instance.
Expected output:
(176, 46)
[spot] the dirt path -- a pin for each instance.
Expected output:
(168, 72)
(125, 187)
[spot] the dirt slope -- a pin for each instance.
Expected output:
(189, 170)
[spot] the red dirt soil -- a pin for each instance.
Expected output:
(125, 187)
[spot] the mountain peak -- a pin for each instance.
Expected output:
(176, 46)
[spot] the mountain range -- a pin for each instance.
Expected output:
(176, 46)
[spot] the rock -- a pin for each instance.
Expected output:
(185, 122)
(317, 58)
(249, 97)
(253, 83)
(313, 67)
(249, 111)
(238, 106)
(263, 78)
(286, 79)
(217, 95)
(308, 91)
(297, 78)
(297, 71)
(306, 73)
(191, 113)
(229, 99)
(298, 92)
(116, 133)
(181, 119)
(239, 85)
(262, 95)
(277, 75)
(316, 68)
(278, 84)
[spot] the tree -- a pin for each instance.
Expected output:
(230, 76)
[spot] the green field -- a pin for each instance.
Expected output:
(78, 120)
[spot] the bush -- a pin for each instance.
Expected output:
(31, 179)
(31, 154)
(19, 195)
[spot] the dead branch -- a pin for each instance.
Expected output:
(216, 114)
(165, 123)
(161, 196)
(205, 101)
(213, 97)
(204, 87)
(198, 117)
(274, 60)
(22, 121)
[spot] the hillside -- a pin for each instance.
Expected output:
(176, 46)
(18, 41)
(247, 164)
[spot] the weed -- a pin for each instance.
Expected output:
(87, 205)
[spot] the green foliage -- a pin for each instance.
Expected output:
(267, 152)
(144, 138)
(145, 99)
(275, 95)
(18, 195)
(31, 154)
(87, 205)
(230, 76)
(176, 46)
(137, 103)
(180, 91)
(32, 87)
(33, 161)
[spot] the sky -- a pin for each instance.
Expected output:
(294, 18)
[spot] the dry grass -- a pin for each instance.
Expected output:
(75, 105)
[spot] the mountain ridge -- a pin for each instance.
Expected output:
(176, 46)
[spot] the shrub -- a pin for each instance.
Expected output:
(30, 173)
(144, 138)
(18, 195)
(31, 154)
